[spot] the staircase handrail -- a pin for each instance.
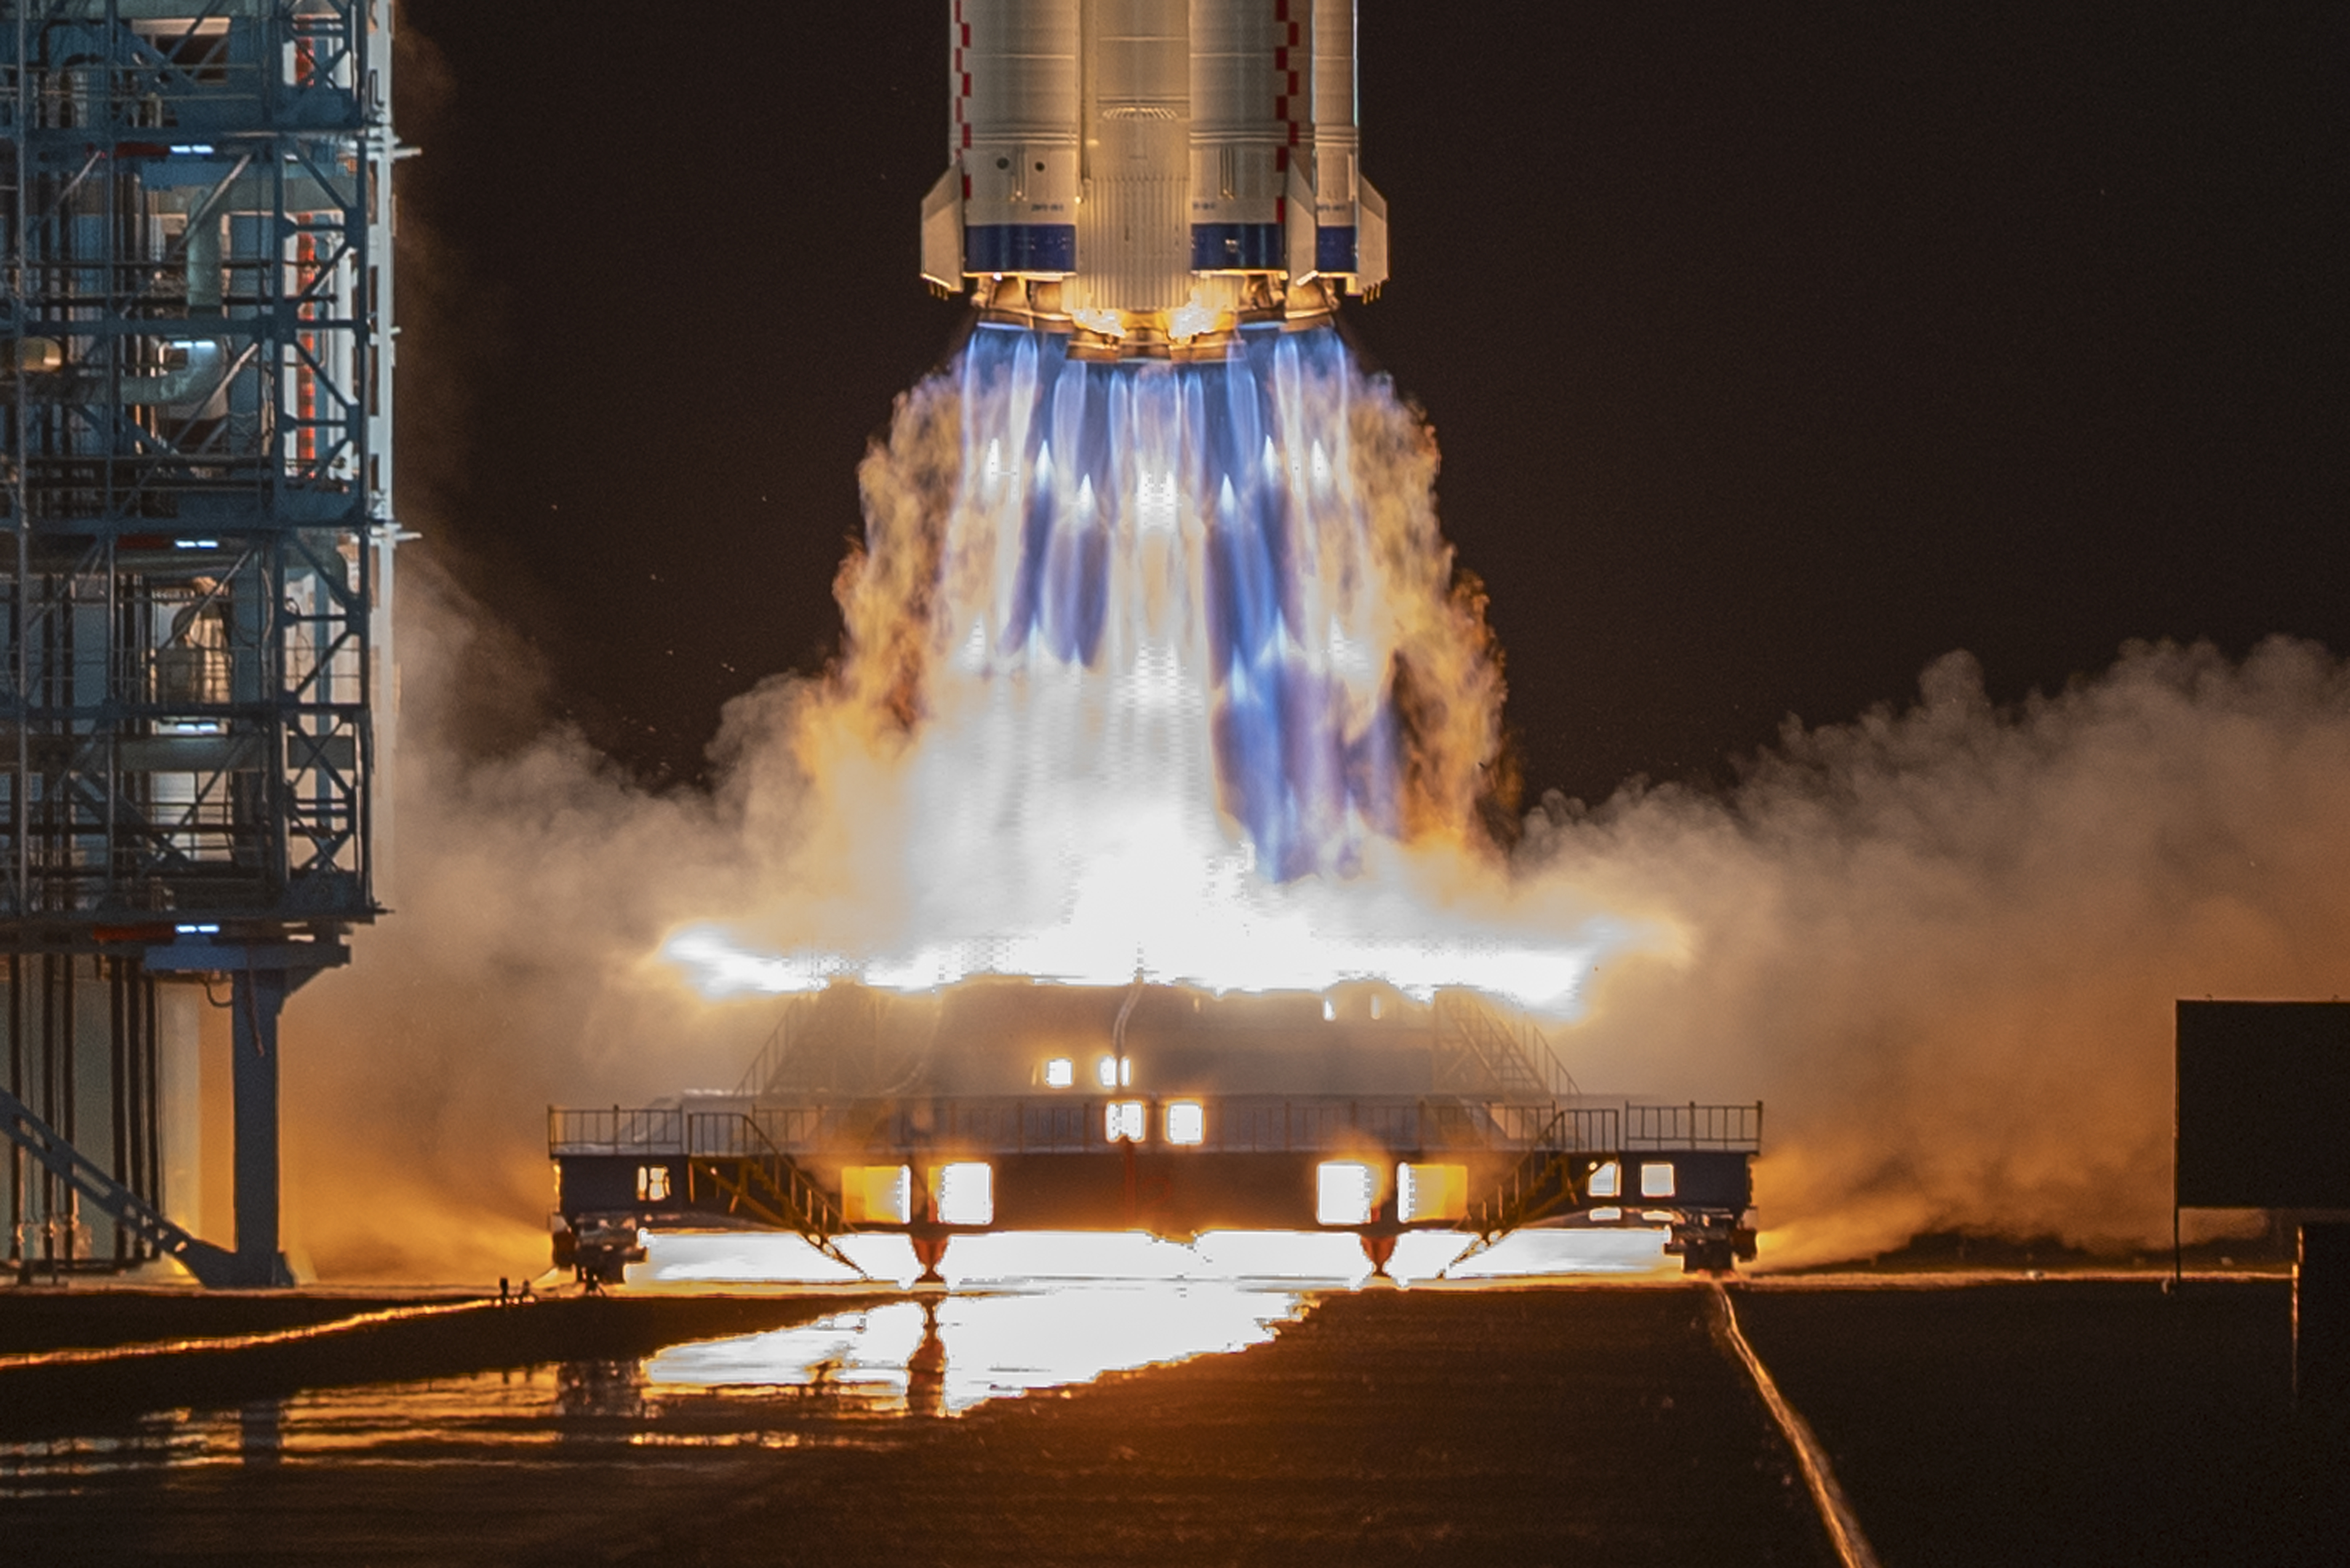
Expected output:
(212, 1266)
(770, 1053)
(1500, 1213)
(819, 1218)
(1501, 1045)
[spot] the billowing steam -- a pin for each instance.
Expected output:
(1941, 942)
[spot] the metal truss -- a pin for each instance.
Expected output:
(197, 497)
(196, 538)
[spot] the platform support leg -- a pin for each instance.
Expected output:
(257, 997)
(929, 1251)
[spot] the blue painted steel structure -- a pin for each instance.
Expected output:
(195, 294)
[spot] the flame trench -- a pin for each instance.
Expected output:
(1177, 679)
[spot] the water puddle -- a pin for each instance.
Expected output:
(843, 1378)
(1029, 1313)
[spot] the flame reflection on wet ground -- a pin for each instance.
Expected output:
(1030, 1259)
(1027, 1313)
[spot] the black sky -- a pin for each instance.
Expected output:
(1774, 351)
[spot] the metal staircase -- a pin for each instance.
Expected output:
(1539, 1185)
(212, 1266)
(838, 1041)
(1480, 1052)
(761, 1182)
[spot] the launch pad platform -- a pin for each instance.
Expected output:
(1005, 1105)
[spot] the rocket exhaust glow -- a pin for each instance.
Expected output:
(1147, 657)
(1153, 619)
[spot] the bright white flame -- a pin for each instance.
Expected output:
(1122, 1121)
(1059, 1072)
(1342, 1192)
(1187, 1122)
(1157, 654)
(1023, 1259)
(1274, 950)
(965, 1193)
(1190, 318)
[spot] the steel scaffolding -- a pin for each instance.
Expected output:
(196, 236)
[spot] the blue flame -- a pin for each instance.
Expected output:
(1240, 463)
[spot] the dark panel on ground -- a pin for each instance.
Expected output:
(2263, 1097)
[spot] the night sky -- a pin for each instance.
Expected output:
(1773, 351)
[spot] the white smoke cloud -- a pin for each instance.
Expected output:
(1940, 941)
(532, 888)
(1943, 942)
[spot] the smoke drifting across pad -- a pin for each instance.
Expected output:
(1943, 940)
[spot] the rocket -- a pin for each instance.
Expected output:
(1151, 175)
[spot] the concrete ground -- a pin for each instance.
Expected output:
(2044, 1422)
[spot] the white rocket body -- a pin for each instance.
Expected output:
(1138, 168)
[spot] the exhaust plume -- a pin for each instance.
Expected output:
(1076, 728)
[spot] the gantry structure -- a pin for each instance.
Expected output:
(195, 576)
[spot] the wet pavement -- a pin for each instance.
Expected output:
(1452, 1425)
(1201, 1421)
(2054, 1420)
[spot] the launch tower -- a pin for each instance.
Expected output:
(195, 472)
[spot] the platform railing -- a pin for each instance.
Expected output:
(1239, 1123)
(1269, 1124)
(1693, 1126)
(626, 1130)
